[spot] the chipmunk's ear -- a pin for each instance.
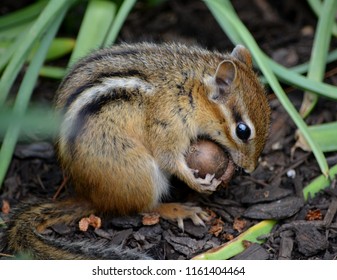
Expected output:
(225, 74)
(242, 54)
(225, 78)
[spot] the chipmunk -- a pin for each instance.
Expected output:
(130, 113)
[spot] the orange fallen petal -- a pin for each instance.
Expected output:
(5, 206)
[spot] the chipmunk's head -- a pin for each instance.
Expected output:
(242, 101)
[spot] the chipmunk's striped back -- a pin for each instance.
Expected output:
(126, 73)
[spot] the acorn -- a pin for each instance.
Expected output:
(208, 158)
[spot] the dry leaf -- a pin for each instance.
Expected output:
(228, 236)
(314, 215)
(300, 143)
(211, 214)
(216, 228)
(239, 224)
(246, 243)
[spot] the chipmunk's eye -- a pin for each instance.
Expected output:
(242, 131)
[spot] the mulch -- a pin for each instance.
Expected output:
(305, 229)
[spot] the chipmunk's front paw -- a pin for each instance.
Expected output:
(179, 212)
(209, 183)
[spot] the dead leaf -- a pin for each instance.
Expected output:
(211, 214)
(217, 227)
(314, 215)
(228, 236)
(246, 243)
(300, 143)
(239, 224)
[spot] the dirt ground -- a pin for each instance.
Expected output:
(305, 230)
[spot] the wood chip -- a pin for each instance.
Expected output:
(286, 245)
(184, 245)
(278, 210)
(331, 212)
(62, 229)
(253, 252)
(309, 240)
(266, 194)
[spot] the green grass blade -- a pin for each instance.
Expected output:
(24, 94)
(6, 54)
(303, 68)
(325, 136)
(22, 16)
(37, 120)
(301, 82)
(11, 33)
(94, 28)
(236, 246)
(59, 48)
(316, 6)
(52, 72)
(47, 17)
(320, 183)
(121, 15)
(319, 52)
(265, 68)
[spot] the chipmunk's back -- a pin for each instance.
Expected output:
(156, 64)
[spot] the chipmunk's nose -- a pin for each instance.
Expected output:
(249, 168)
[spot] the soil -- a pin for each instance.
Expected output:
(305, 229)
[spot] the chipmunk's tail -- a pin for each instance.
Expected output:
(24, 234)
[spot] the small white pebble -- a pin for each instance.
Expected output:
(291, 173)
(276, 146)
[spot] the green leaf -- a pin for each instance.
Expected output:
(26, 43)
(94, 28)
(24, 94)
(22, 16)
(320, 183)
(52, 72)
(121, 15)
(59, 48)
(317, 6)
(319, 52)
(325, 135)
(236, 246)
